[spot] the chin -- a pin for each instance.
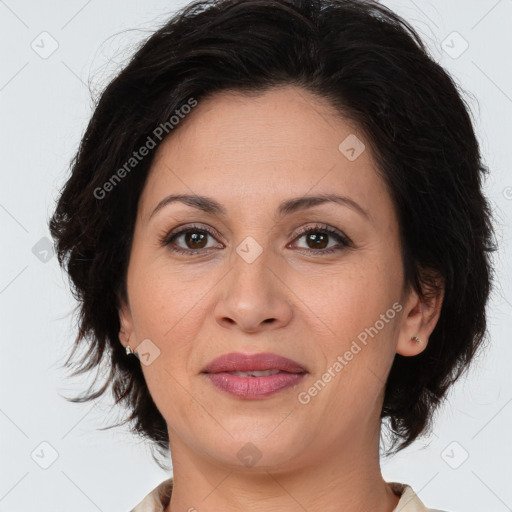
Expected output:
(256, 451)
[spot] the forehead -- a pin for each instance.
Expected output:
(284, 122)
(285, 142)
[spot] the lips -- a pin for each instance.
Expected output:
(254, 376)
(239, 363)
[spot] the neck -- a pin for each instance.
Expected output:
(343, 477)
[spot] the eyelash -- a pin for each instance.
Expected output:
(167, 239)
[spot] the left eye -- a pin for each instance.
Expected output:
(317, 239)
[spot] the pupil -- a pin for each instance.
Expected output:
(194, 238)
(318, 238)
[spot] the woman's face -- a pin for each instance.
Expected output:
(329, 300)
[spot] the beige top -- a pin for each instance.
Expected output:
(158, 499)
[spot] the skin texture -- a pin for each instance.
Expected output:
(250, 153)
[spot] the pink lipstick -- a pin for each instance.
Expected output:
(253, 376)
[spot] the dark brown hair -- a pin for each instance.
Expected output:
(374, 69)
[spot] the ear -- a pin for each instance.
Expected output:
(126, 324)
(420, 315)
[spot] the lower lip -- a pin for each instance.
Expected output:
(254, 387)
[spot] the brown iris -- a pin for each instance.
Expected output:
(195, 239)
(319, 240)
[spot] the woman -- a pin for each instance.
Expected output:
(276, 231)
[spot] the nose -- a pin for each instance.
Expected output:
(254, 297)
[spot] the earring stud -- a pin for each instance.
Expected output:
(129, 350)
(416, 339)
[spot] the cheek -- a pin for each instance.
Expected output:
(345, 300)
(167, 300)
(357, 307)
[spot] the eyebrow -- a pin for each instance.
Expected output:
(209, 205)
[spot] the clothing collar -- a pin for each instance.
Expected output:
(158, 499)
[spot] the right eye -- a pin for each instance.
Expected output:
(194, 240)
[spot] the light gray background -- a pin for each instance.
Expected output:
(45, 105)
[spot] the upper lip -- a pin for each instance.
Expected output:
(239, 362)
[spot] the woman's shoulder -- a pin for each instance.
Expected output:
(409, 500)
(158, 499)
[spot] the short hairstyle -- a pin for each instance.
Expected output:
(373, 68)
